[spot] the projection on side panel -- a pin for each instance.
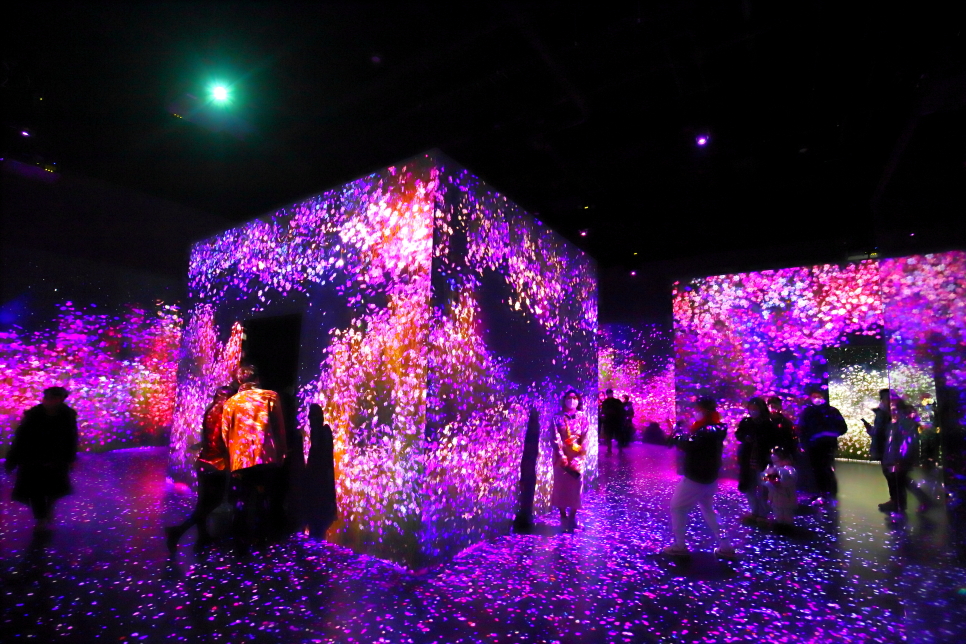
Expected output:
(436, 317)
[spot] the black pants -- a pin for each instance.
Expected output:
(887, 472)
(211, 491)
(41, 506)
(899, 483)
(258, 504)
(821, 457)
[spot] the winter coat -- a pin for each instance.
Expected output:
(44, 446)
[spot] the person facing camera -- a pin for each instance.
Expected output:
(569, 427)
(819, 427)
(757, 436)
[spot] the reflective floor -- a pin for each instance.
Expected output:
(847, 575)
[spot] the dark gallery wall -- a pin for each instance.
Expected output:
(92, 279)
(72, 215)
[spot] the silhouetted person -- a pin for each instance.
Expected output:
(210, 468)
(612, 414)
(653, 434)
(569, 435)
(899, 455)
(286, 504)
(318, 493)
(253, 428)
(879, 434)
(701, 445)
(785, 434)
(43, 451)
(929, 452)
(819, 428)
(950, 414)
(528, 472)
(627, 426)
(757, 438)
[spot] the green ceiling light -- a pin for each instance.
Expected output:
(219, 93)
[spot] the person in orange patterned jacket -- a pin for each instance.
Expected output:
(253, 428)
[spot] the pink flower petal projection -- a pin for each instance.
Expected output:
(120, 370)
(437, 318)
(774, 332)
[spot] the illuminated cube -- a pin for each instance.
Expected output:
(436, 319)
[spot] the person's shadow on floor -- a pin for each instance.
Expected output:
(698, 566)
(537, 529)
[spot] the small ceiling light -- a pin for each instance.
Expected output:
(702, 140)
(219, 93)
(583, 233)
(633, 273)
(24, 133)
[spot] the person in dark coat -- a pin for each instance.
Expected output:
(701, 447)
(318, 494)
(785, 434)
(900, 454)
(653, 434)
(43, 451)
(757, 438)
(878, 434)
(819, 428)
(612, 415)
(627, 429)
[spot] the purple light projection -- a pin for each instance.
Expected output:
(925, 315)
(120, 369)
(774, 332)
(436, 316)
(637, 361)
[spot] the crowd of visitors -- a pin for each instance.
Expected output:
(243, 448)
(777, 459)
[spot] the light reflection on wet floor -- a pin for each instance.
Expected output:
(847, 575)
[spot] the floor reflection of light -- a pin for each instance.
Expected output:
(846, 576)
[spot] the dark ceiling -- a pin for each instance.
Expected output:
(831, 127)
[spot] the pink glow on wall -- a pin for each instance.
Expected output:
(399, 277)
(772, 332)
(120, 370)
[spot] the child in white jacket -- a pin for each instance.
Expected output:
(781, 480)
